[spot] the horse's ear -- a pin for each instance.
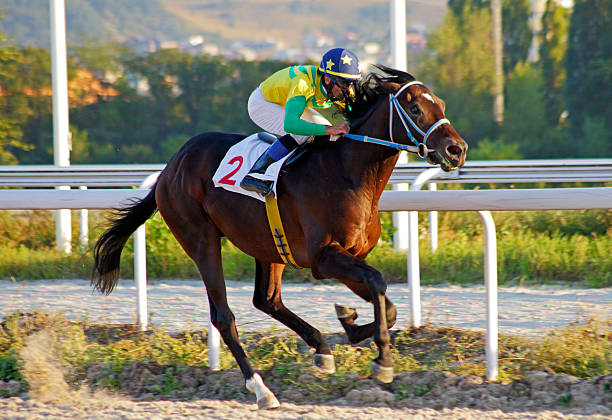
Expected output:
(441, 103)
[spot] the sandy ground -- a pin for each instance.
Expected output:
(16, 408)
(178, 304)
(181, 304)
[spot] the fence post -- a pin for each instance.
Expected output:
(490, 278)
(414, 279)
(84, 223)
(140, 264)
(433, 223)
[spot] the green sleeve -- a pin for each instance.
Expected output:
(293, 124)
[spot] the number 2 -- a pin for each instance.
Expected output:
(227, 178)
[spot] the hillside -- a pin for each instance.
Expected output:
(292, 20)
(137, 21)
(27, 21)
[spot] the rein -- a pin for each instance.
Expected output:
(420, 148)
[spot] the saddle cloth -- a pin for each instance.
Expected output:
(238, 161)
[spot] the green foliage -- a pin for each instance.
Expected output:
(186, 95)
(586, 350)
(120, 357)
(516, 32)
(533, 247)
(460, 68)
(9, 366)
(10, 109)
(553, 46)
(495, 150)
(589, 64)
(525, 119)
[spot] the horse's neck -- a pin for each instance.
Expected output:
(369, 165)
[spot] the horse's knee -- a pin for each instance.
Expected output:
(223, 321)
(266, 305)
(376, 283)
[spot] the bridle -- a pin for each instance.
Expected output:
(420, 148)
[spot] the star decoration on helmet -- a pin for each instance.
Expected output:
(347, 60)
(329, 64)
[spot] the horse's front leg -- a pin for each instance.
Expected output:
(267, 298)
(335, 262)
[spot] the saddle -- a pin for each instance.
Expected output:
(239, 158)
(235, 166)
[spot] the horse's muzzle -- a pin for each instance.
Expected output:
(450, 155)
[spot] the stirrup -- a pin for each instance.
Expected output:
(256, 185)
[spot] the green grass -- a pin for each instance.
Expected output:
(533, 248)
(584, 351)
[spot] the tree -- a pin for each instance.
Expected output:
(460, 69)
(25, 104)
(553, 47)
(517, 35)
(589, 67)
(525, 121)
(10, 130)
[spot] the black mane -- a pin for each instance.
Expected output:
(369, 90)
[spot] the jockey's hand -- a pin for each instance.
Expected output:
(337, 130)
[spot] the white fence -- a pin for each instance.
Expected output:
(456, 200)
(503, 171)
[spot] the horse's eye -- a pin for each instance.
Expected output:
(414, 110)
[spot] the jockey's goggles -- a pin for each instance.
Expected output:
(347, 86)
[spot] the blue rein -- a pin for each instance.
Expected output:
(420, 148)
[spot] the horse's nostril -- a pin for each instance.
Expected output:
(453, 150)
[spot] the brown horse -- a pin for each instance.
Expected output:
(328, 201)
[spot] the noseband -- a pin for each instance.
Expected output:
(420, 148)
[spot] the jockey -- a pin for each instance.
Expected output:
(289, 102)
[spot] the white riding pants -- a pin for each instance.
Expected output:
(271, 117)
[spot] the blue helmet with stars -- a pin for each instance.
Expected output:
(340, 62)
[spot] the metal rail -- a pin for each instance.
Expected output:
(519, 171)
(503, 171)
(76, 175)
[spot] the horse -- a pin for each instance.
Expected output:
(328, 201)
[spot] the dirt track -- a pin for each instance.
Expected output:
(178, 303)
(522, 310)
(16, 408)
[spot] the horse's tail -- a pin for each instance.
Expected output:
(107, 251)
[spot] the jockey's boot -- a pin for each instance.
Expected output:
(278, 150)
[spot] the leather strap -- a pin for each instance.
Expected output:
(278, 233)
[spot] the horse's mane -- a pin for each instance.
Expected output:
(369, 90)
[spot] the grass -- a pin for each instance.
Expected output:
(533, 248)
(116, 352)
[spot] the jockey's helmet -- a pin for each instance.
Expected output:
(341, 66)
(340, 63)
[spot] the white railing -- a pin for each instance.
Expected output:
(503, 171)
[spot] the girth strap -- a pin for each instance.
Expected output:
(278, 233)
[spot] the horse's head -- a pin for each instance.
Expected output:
(415, 117)
(422, 117)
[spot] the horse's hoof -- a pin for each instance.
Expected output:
(344, 312)
(325, 363)
(381, 373)
(265, 398)
(268, 402)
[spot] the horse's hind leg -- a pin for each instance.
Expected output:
(202, 241)
(267, 298)
(335, 262)
(347, 316)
